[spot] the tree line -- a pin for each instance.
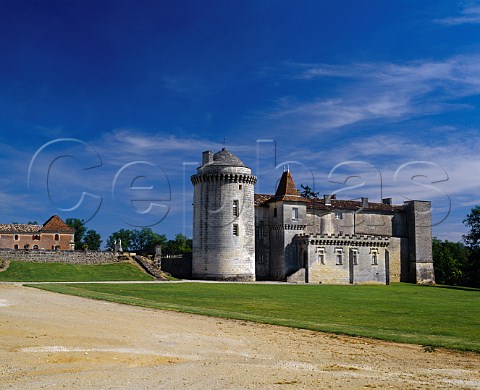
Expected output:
(458, 263)
(142, 241)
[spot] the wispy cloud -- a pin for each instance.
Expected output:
(379, 91)
(470, 14)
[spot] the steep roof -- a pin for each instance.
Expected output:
(55, 224)
(286, 190)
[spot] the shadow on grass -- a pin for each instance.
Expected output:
(463, 288)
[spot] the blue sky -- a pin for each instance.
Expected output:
(116, 100)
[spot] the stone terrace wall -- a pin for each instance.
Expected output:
(70, 257)
(179, 266)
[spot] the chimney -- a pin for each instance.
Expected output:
(207, 157)
(365, 202)
(387, 201)
(326, 200)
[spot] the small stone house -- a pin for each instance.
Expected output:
(54, 234)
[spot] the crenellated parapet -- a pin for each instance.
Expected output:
(288, 227)
(223, 177)
(343, 240)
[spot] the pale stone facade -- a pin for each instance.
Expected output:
(302, 240)
(223, 219)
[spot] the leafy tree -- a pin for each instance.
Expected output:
(82, 237)
(92, 240)
(472, 239)
(308, 193)
(146, 239)
(125, 235)
(32, 223)
(181, 244)
(80, 229)
(451, 261)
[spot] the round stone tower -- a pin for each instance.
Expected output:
(223, 219)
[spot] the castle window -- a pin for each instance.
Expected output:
(374, 257)
(339, 256)
(274, 212)
(36, 237)
(235, 208)
(15, 237)
(235, 230)
(338, 215)
(260, 232)
(321, 256)
(55, 247)
(261, 259)
(354, 257)
(294, 213)
(239, 186)
(57, 237)
(35, 247)
(16, 246)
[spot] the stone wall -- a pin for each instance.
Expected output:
(419, 228)
(179, 266)
(69, 257)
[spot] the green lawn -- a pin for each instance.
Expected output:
(428, 315)
(20, 271)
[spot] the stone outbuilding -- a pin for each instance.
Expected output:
(54, 234)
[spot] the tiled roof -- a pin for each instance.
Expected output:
(19, 228)
(319, 204)
(261, 199)
(55, 224)
(286, 190)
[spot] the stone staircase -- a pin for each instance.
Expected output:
(149, 267)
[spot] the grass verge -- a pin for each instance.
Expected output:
(427, 315)
(20, 271)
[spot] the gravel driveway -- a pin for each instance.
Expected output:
(49, 340)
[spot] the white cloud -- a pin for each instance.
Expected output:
(470, 14)
(378, 91)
